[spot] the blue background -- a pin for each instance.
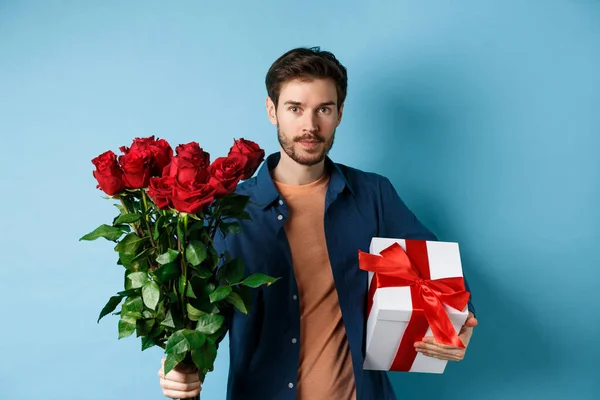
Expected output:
(484, 114)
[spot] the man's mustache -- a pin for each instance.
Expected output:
(312, 137)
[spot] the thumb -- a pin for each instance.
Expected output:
(471, 322)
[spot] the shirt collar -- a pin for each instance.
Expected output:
(266, 191)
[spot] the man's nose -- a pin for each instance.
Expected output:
(311, 123)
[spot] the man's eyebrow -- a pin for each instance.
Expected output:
(299, 103)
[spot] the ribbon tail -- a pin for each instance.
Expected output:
(439, 322)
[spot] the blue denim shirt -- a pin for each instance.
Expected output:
(263, 353)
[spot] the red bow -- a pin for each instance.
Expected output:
(396, 267)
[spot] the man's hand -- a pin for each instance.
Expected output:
(180, 383)
(429, 347)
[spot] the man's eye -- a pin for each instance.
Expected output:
(324, 110)
(294, 109)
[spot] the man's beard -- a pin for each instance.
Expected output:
(288, 145)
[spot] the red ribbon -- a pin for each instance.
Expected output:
(396, 267)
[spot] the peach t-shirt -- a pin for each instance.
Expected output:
(325, 369)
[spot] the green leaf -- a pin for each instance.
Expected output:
(142, 255)
(246, 296)
(133, 307)
(195, 252)
(126, 326)
(230, 227)
(256, 280)
(172, 361)
(136, 280)
(168, 321)
(185, 340)
(209, 323)
(130, 292)
(233, 271)
(113, 302)
(202, 272)
(123, 227)
(126, 260)
(189, 292)
(144, 326)
(147, 342)
(130, 244)
(204, 357)
(234, 204)
(220, 293)
(151, 294)
(244, 215)
(235, 299)
(168, 257)
(158, 225)
(120, 208)
(193, 313)
(127, 219)
(214, 258)
(106, 231)
(167, 272)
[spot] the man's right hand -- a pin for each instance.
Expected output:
(180, 383)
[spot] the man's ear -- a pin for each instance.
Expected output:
(271, 111)
(340, 112)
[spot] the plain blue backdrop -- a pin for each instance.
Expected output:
(484, 114)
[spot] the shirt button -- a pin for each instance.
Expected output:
(280, 217)
(290, 385)
(294, 340)
(280, 202)
(295, 297)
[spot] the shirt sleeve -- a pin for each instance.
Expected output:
(398, 221)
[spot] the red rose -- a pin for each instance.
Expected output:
(136, 168)
(189, 165)
(226, 172)
(161, 156)
(193, 152)
(160, 151)
(192, 197)
(108, 173)
(255, 155)
(160, 191)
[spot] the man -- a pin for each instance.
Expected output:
(304, 337)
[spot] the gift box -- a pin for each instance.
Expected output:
(416, 289)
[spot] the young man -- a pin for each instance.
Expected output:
(304, 337)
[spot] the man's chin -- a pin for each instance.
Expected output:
(309, 159)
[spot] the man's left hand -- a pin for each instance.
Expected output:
(429, 347)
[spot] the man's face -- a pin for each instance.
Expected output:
(306, 118)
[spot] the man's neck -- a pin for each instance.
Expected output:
(289, 172)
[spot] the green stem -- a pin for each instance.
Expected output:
(147, 219)
(164, 213)
(133, 225)
(181, 246)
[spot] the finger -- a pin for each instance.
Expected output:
(178, 386)
(432, 340)
(447, 356)
(434, 347)
(176, 376)
(181, 367)
(175, 394)
(454, 352)
(471, 322)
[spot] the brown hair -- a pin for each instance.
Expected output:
(306, 64)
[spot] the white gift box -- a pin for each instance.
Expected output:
(392, 309)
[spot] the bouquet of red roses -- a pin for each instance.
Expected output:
(178, 287)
